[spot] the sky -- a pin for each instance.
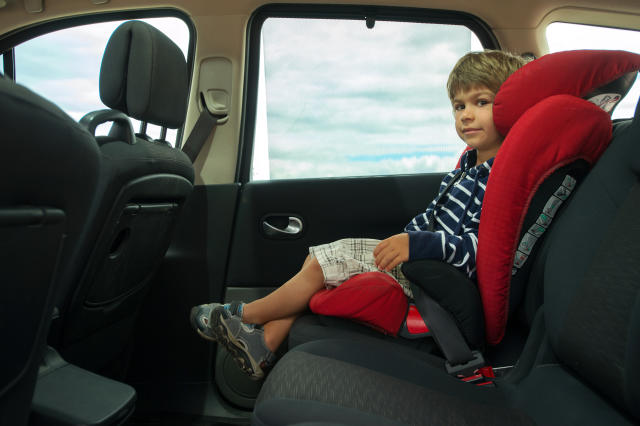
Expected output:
(345, 100)
(335, 98)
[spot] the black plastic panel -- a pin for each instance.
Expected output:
(167, 349)
(68, 395)
(31, 240)
(330, 209)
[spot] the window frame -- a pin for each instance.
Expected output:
(386, 13)
(10, 40)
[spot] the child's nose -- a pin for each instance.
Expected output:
(467, 114)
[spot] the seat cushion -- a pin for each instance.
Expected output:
(311, 327)
(394, 384)
(373, 298)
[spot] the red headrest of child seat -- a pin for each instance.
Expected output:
(547, 126)
(576, 72)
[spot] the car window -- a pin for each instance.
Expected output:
(64, 66)
(563, 36)
(336, 98)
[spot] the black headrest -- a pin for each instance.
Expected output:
(144, 75)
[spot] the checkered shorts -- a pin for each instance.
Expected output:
(345, 258)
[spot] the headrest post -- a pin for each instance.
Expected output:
(163, 134)
(143, 128)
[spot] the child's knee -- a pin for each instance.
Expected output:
(312, 262)
(309, 261)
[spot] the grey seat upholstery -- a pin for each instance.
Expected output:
(143, 76)
(49, 186)
(581, 362)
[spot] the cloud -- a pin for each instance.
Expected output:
(339, 93)
(282, 169)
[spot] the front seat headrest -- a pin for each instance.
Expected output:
(144, 74)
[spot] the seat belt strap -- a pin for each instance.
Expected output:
(461, 360)
(204, 126)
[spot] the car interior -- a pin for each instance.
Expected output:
(155, 156)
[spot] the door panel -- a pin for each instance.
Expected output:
(329, 209)
(192, 273)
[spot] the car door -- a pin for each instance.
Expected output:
(347, 131)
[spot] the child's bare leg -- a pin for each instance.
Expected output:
(276, 331)
(289, 299)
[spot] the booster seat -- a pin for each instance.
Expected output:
(554, 113)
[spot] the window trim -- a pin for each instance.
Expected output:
(387, 13)
(8, 64)
(13, 38)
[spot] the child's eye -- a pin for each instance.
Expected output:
(483, 102)
(458, 107)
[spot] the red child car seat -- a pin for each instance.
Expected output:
(554, 113)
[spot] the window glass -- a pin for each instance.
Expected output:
(336, 98)
(1, 64)
(64, 66)
(562, 36)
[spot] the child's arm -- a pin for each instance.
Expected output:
(391, 252)
(457, 250)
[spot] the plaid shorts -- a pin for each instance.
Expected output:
(342, 259)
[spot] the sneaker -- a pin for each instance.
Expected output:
(201, 316)
(244, 342)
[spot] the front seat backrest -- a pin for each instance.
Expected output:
(143, 75)
(49, 174)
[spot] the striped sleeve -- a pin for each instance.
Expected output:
(421, 221)
(457, 250)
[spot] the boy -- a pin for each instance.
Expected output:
(447, 230)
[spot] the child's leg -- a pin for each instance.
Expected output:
(289, 299)
(276, 331)
(252, 348)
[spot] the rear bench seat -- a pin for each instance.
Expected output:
(581, 361)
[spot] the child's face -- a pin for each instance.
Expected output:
(473, 111)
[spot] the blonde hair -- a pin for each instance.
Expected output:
(489, 68)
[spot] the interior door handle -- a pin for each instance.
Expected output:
(293, 228)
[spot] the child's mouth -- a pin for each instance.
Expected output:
(471, 131)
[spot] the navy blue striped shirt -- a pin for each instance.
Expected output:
(454, 238)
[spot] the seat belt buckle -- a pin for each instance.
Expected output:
(483, 376)
(467, 369)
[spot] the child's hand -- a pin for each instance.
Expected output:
(391, 252)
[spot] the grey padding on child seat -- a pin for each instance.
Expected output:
(581, 364)
(146, 185)
(49, 180)
(144, 74)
